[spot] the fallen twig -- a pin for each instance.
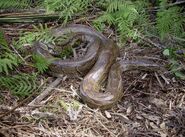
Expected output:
(45, 92)
(112, 134)
(123, 117)
(165, 79)
(149, 41)
(18, 54)
(169, 5)
(28, 18)
(24, 111)
(160, 83)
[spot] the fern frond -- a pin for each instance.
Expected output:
(41, 33)
(123, 27)
(169, 21)
(66, 8)
(115, 5)
(120, 13)
(141, 5)
(7, 4)
(8, 62)
(107, 17)
(41, 63)
(163, 3)
(20, 85)
(125, 30)
(99, 23)
(3, 41)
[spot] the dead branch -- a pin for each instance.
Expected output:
(45, 93)
(25, 112)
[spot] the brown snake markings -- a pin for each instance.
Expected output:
(98, 64)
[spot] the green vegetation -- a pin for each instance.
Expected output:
(21, 85)
(16, 4)
(121, 14)
(131, 20)
(41, 33)
(41, 63)
(170, 22)
(66, 8)
(8, 60)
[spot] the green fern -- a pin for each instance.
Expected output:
(122, 14)
(8, 62)
(20, 85)
(3, 41)
(163, 3)
(99, 23)
(170, 21)
(66, 8)
(40, 33)
(43, 33)
(115, 5)
(7, 4)
(41, 63)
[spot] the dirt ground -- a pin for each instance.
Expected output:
(153, 105)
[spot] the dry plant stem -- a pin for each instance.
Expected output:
(48, 133)
(165, 79)
(149, 41)
(112, 134)
(18, 54)
(180, 39)
(84, 19)
(45, 101)
(14, 127)
(74, 54)
(160, 83)
(22, 102)
(170, 5)
(43, 114)
(17, 29)
(123, 117)
(25, 112)
(45, 92)
(26, 14)
(26, 11)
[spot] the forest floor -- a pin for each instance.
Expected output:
(152, 106)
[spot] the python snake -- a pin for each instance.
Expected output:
(98, 65)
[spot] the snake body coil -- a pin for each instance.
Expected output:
(97, 65)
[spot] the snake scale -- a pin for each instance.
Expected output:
(97, 65)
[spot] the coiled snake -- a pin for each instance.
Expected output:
(98, 64)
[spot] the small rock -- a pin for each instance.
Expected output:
(108, 115)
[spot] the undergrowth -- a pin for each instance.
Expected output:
(41, 63)
(8, 59)
(21, 85)
(170, 22)
(66, 8)
(18, 83)
(129, 19)
(14, 4)
(121, 14)
(40, 33)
